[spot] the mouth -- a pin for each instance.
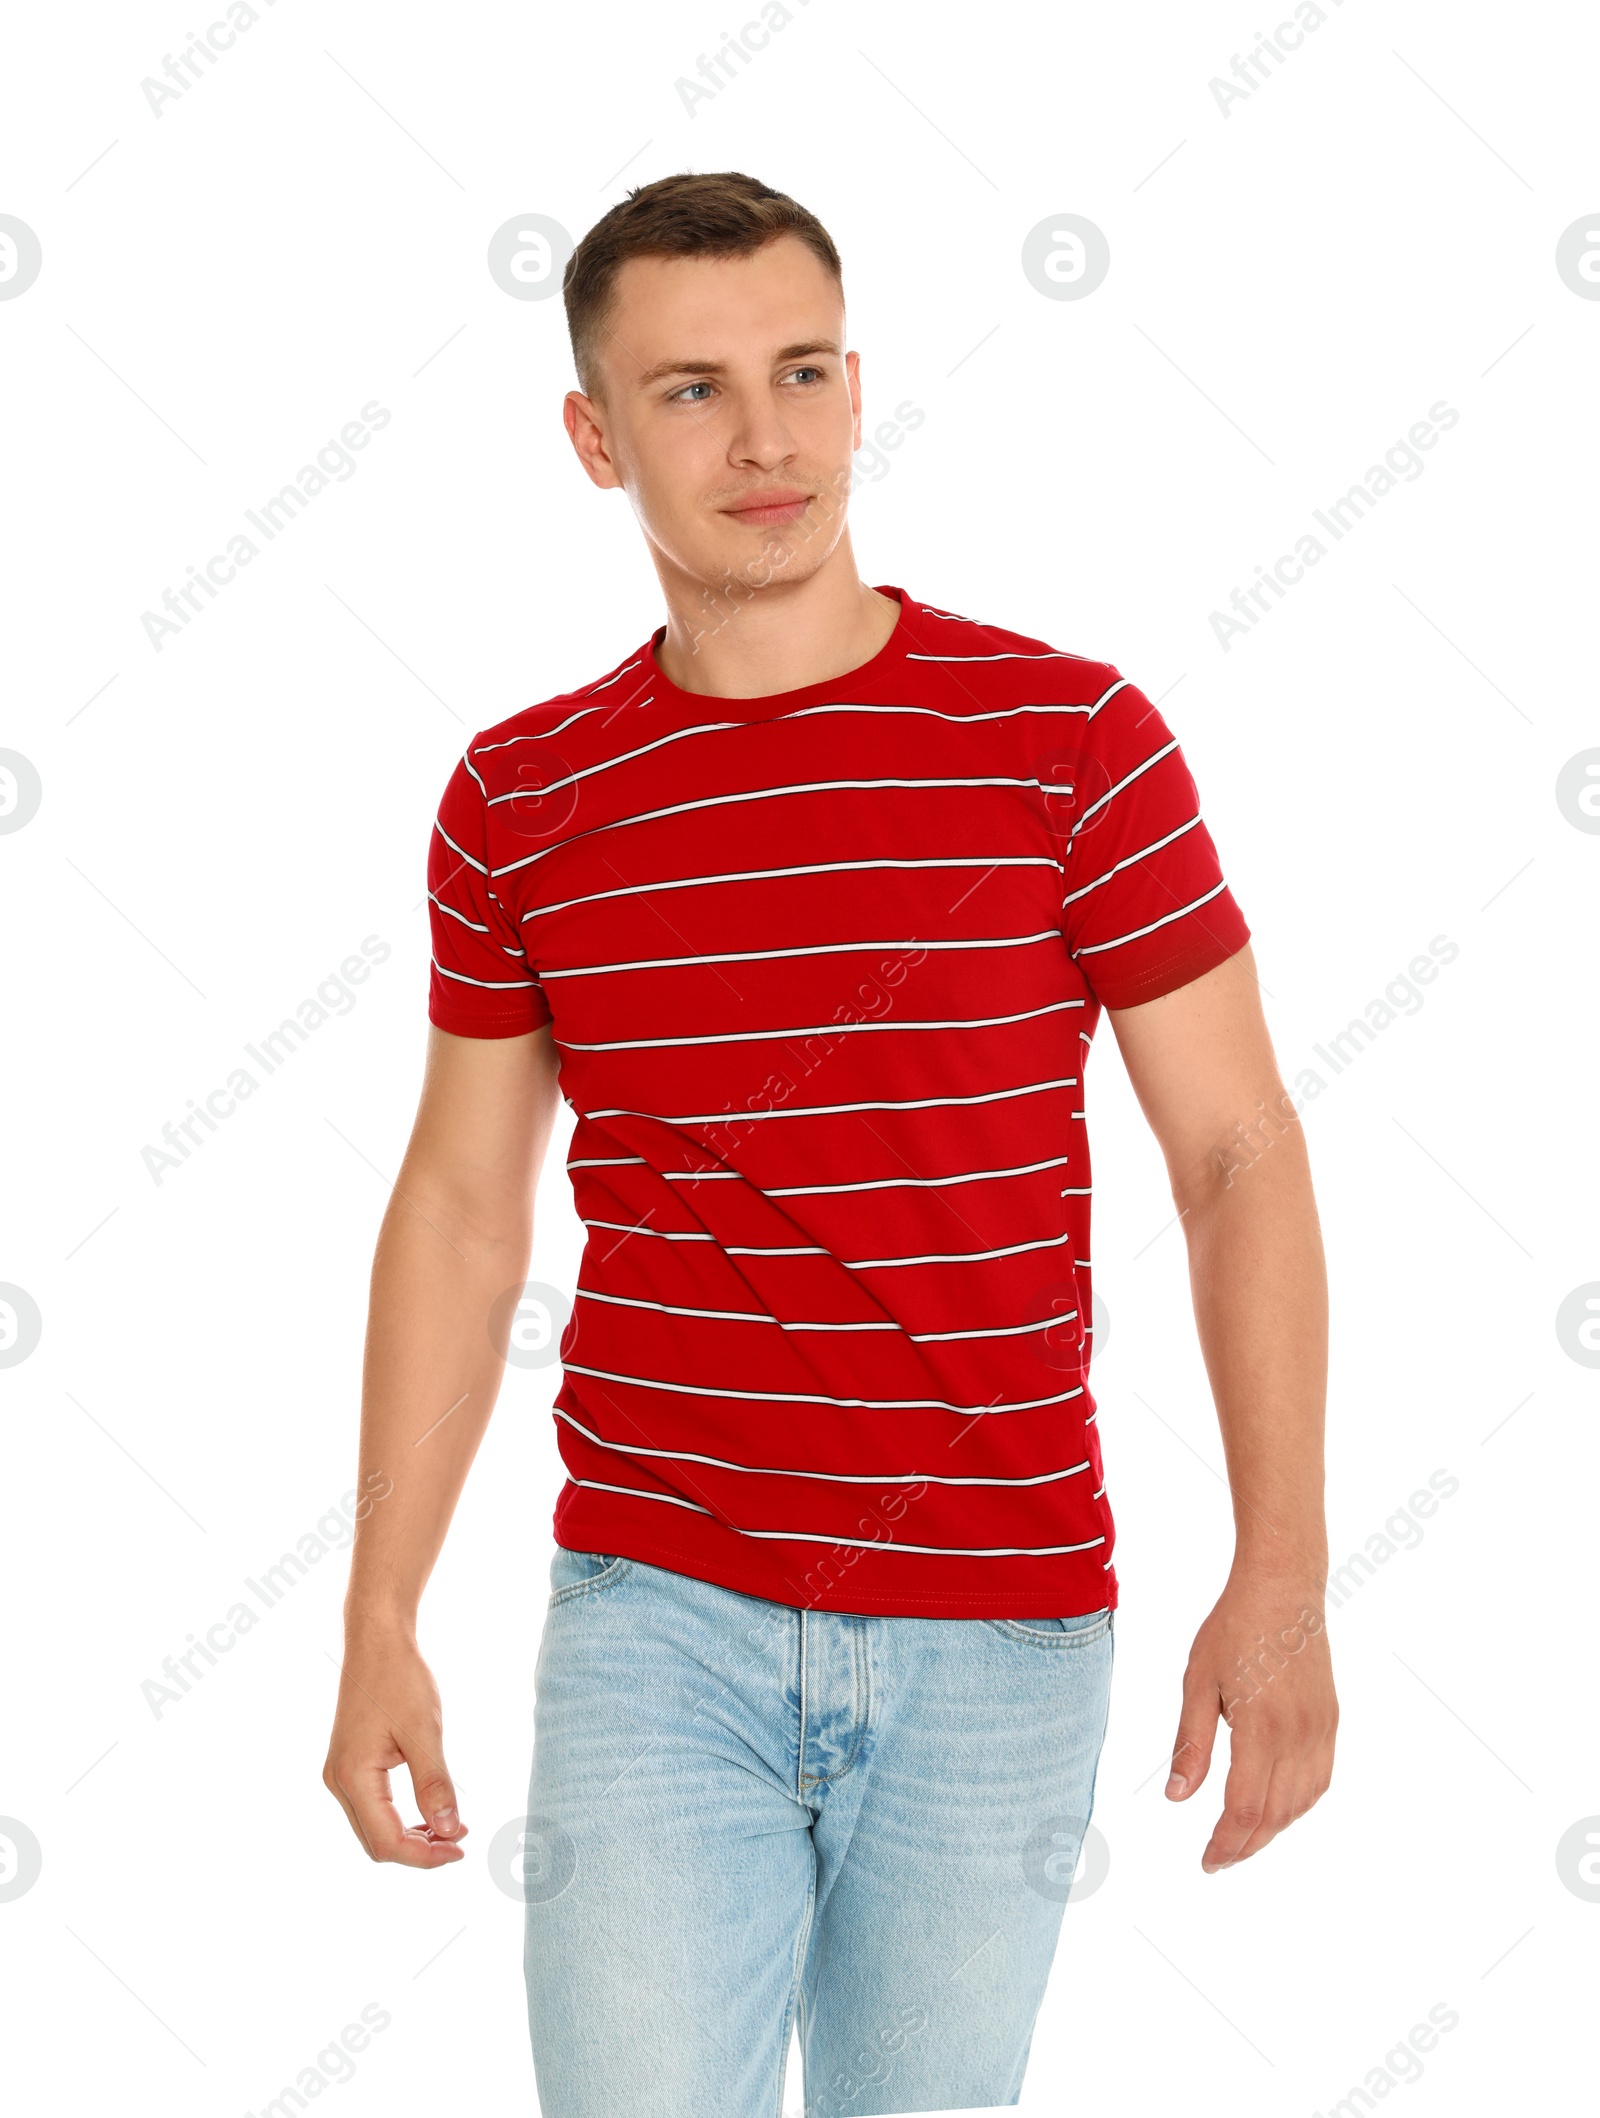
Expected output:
(784, 504)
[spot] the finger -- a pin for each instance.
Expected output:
(1244, 1805)
(1322, 1767)
(1301, 1772)
(1316, 1773)
(1197, 1732)
(1284, 1798)
(1308, 1783)
(435, 1793)
(351, 1818)
(386, 1837)
(1281, 1811)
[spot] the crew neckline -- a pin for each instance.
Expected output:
(888, 657)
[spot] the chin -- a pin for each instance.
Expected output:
(762, 558)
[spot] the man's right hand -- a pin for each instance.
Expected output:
(388, 1714)
(453, 1247)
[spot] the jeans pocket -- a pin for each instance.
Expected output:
(1056, 1632)
(574, 1573)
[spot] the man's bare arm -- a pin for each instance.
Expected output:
(456, 1235)
(1202, 1065)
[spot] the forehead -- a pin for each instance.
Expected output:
(703, 309)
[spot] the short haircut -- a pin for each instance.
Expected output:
(719, 213)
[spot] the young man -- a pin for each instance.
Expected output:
(809, 908)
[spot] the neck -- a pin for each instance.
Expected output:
(777, 638)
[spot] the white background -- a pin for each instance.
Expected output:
(1292, 286)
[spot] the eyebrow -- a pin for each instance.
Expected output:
(664, 368)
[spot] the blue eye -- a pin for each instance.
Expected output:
(682, 396)
(814, 372)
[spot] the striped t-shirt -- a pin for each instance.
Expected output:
(823, 969)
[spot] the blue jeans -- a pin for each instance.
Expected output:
(744, 1815)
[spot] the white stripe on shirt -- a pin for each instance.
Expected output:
(826, 948)
(821, 867)
(842, 1478)
(819, 1029)
(1183, 911)
(872, 1544)
(811, 1397)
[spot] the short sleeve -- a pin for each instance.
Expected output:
(1146, 908)
(482, 983)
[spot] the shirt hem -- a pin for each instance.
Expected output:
(843, 1595)
(486, 1025)
(1177, 971)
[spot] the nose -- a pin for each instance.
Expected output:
(759, 436)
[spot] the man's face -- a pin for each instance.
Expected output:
(730, 412)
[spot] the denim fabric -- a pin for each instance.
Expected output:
(745, 1816)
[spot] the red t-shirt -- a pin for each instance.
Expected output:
(823, 969)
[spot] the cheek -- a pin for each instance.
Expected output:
(664, 494)
(672, 474)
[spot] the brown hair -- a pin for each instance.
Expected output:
(716, 214)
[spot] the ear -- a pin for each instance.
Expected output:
(584, 421)
(852, 369)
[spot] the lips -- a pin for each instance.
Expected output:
(774, 506)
